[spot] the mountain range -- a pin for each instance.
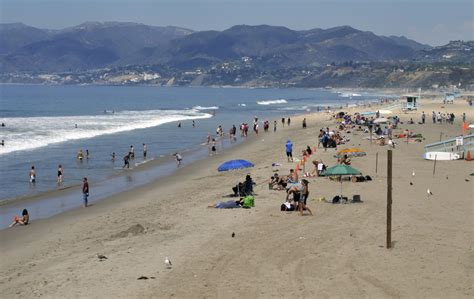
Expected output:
(94, 45)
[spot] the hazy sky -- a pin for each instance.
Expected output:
(430, 21)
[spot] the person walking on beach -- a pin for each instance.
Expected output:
(423, 117)
(289, 150)
(32, 175)
(179, 158)
(144, 151)
(289, 121)
(126, 161)
(433, 116)
(60, 174)
(85, 192)
(283, 121)
(274, 126)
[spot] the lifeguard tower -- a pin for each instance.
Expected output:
(449, 98)
(410, 104)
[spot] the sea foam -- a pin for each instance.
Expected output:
(27, 133)
(272, 102)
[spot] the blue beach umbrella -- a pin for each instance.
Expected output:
(234, 164)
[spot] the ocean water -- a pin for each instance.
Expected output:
(40, 125)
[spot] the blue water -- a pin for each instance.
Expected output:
(40, 125)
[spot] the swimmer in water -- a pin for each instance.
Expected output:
(32, 175)
(87, 154)
(3, 142)
(80, 155)
(60, 174)
(75, 126)
(113, 156)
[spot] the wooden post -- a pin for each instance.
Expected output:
(434, 165)
(389, 198)
(376, 162)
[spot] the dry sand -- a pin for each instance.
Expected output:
(338, 252)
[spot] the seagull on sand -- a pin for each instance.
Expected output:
(168, 263)
(429, 192)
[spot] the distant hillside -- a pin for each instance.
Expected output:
(16, 35)
(454, 52)
(110, 44)
(89, 45)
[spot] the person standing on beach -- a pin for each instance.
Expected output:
(283, 121)
(274, 126)
(144, 151)
(85, 192)
(433, 116)
(423, 117)
(60, 174)
(304, 123)
(32, 175)
(289, 121)
(208, 138)
(289, 150)
(213, 147)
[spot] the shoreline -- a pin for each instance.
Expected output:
(9, 205)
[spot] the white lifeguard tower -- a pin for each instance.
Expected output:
(449, 98)
(411, 103)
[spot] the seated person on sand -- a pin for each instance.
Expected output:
(293, 177)
(21, 220)
(231, 204)
(381, 141)
(391, 143)
(344, 160)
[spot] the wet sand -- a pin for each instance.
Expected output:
(338, 252)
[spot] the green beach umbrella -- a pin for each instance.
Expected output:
(340, 170)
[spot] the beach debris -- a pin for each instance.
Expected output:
(411, 184)
(467, 180)
(447, 178)
(233, 234)
(168, 263)
(101, 257)
(413, 173)
(145, 277)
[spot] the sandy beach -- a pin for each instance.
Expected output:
(339, 252)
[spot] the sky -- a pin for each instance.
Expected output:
(434, 22)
